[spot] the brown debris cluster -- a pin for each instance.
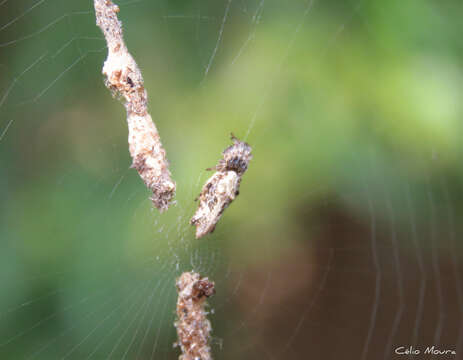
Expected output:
(123, 77)
(193, 327)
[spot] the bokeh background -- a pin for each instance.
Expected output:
(345, 242)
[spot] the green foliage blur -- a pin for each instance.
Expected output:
(354, 111)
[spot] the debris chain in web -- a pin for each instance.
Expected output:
(193, 327)
(123, 77)
(222, 187)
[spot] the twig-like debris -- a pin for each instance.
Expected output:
(123, 77)
(222, 187)
(193, 327)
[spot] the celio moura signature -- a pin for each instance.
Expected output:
(429, 350)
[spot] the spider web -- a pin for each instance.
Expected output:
(345, 241)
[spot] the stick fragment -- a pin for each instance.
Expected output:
(222, 187)
(123, 77)
(193, 327)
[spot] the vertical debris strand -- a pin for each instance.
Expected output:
(123, 77)
(193, 327)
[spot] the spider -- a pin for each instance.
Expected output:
(235, 158)
(222, 187)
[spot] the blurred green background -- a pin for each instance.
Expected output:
(345, 240)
